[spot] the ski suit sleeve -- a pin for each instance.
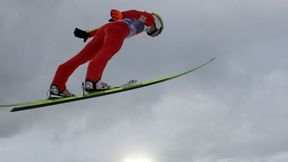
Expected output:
(92, 32)
(145, 17)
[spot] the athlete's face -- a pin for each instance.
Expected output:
(153, 31)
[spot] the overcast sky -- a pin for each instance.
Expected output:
(233, 110)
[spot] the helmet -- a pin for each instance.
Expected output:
(158, 25)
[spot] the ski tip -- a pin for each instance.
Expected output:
(214, 58)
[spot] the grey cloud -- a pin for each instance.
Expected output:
(232, 110)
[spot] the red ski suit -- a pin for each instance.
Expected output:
(106, 42)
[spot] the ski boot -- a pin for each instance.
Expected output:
(54, 92)
(91, 87)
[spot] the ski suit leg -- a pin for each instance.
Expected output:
(86, 54)
(115, 34)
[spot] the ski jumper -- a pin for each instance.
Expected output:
(106, 42)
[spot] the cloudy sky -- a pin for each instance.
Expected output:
(234, 110)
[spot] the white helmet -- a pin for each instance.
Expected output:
(159, 25)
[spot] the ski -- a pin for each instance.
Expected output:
(133, 84)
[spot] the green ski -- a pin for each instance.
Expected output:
(130, 86)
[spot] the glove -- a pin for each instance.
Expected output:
(81, 34)
(116, 15)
